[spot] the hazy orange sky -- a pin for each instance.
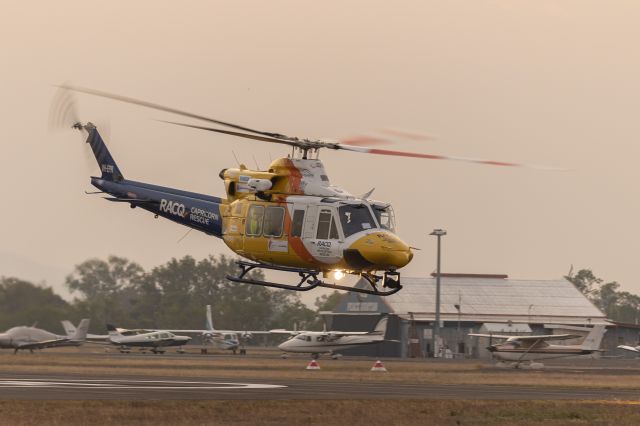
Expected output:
(543, 82)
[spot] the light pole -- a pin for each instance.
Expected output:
(436, 326)
(458, 307)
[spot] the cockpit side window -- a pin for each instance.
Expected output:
(385, 217)
(326, 226)
(355, 218)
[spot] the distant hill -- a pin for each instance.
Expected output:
(13, 265)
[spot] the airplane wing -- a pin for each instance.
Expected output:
(544, 337)
(283, 331)
(541, 337)
(493, 336)
(629, 348)
(42, 344)
(242, 333)
(347, 333)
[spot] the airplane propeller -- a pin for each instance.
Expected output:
(305, 145)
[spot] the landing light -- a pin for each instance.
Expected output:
(338, 275)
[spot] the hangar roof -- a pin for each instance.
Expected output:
(492, 298)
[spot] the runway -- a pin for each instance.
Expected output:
(89, 387)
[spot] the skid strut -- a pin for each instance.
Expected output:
(308, 279)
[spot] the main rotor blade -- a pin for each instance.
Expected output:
(441, 157)
(407, 135)
(229, 132)
(167, 109)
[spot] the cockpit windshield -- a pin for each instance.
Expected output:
(385, 216)
(355, 218)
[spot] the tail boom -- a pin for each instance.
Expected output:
(197, 211)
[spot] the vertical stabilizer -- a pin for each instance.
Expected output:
(107, 164)
(381, 326)
(209, 324)
(69, 328)
(594, 338)
(81, 332)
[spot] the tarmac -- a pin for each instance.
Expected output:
(29, 386)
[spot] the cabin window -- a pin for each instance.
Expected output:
(326, 226)
(355, 218)
(254, 221)
(237, 210)
(273, 219)
(298, 220)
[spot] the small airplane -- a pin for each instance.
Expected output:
(516, 350)
(318, 342)
(30, 338)
(635, 349)
(223, 339)
(288, 217)
(155, 340)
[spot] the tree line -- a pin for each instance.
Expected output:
(618, 305)
(173, 295)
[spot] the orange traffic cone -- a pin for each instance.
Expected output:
(313, 365)
(378, 366)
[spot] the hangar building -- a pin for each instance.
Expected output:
(469, 303)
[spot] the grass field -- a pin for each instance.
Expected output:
(70, 362)
(315, 412)
(363, 412)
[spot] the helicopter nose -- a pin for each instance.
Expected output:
(378, 251)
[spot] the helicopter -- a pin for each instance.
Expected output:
(288, 217)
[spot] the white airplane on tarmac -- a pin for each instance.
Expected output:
(516, 350)
(318, 342)
(231, 340)
(156, 341)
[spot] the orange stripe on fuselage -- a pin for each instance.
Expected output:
(294, 179)
(296, 242)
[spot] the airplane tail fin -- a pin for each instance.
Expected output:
(209, 324)
(107, 164)
(594, 338)
(381, 327)
(81, 332)
(112, 330)
(69, 328)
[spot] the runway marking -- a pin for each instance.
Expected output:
(130, 384)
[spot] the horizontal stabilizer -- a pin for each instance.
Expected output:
(131, 200)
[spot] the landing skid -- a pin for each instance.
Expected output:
(309, 279)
